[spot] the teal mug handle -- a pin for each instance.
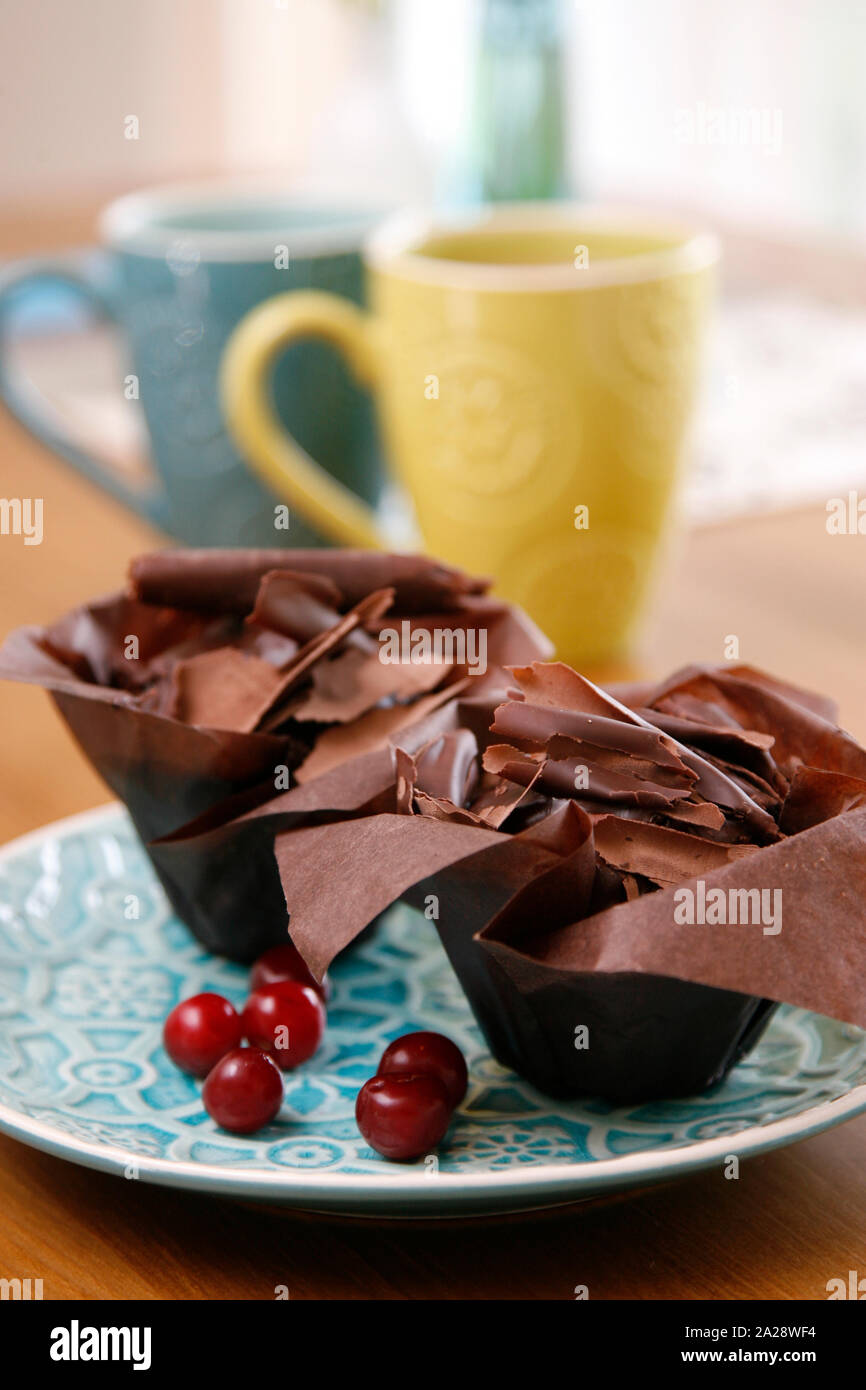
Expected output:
(84, 272)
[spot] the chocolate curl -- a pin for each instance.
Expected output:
(497, 799)
(700, 813)
(272, 647)
(294, 605)
(344, 742)
(726, 738)
(547, 685)
(299, 667)
(405, 776)
(507, 631)
(443, 778)
(538, 725)
(557, 774)
(439, 780)
(662, 855)
(692, 678)
(631, 767)
(798, 722)
(754, 786)
(442, 808)
(356, 681)
(727, 741)
(229, 689)
(229, 579)
(553, 685)
(223, 689)
(447, 767)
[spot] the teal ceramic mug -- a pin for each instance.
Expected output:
(178, 269)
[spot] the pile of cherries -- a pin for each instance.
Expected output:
(283, 1020)
(402, 1112)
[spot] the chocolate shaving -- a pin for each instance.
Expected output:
(313, 651)
(343, 742)
(295, 606)
(664, 856)
(356, 681)
(228, 580)
(222, 689)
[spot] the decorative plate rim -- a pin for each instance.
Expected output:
(554, 1181)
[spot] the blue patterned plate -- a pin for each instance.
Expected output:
(91, 961)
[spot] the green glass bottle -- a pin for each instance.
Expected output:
(518, 136)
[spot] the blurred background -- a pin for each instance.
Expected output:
(386, 95)
(747, 114)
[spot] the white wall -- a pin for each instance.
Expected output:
(300, 87)
(799, 68)
(73, 71)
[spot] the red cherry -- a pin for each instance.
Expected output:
(244, 1091)
(286, 963)
(286, 1020)
(403, 1116)
(428, 1054)
(199, 1031)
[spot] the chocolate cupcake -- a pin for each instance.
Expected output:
(626, 882)
(222, 676)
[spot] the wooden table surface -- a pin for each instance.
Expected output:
(796, 1218)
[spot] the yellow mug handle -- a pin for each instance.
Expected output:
(253, 423)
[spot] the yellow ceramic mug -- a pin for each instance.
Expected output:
(534, 368)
